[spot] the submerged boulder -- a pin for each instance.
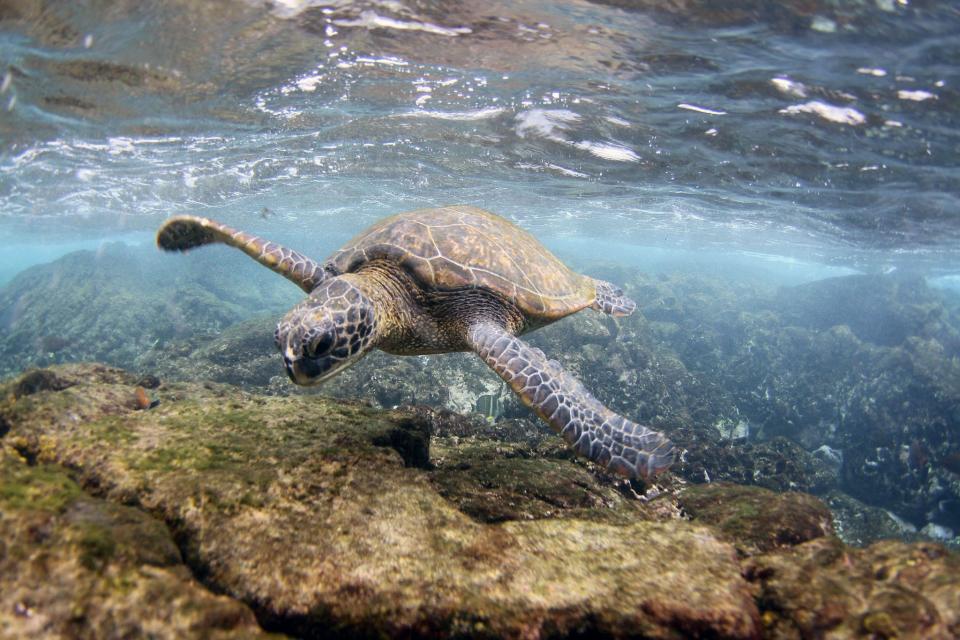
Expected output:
(76, 566)
(860, 525)
(330, 518)
(880, 309)
(757, 519)
(325, 517)
(889, 590)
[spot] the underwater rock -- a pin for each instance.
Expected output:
(937, 532)
(859, 524)
(784, 366)
(778, 464)
(888, 590)
(899, 429)
(499, 489)
(495, 473)
(328, 517)
(321, 516)
(242, 354)
(76, 566)
(756, 519)
(881, 309)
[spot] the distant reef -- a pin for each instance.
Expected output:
(848, 388)
(116, 304)
(212, 511)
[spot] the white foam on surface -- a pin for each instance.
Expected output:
(832, 113)
(372, 20)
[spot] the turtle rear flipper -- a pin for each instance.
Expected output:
(609, 439)
(610, 300)
(186, 232)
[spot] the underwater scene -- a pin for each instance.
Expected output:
(435, 319)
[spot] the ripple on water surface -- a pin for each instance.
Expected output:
(759, 126)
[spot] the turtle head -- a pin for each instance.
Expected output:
(326, 333)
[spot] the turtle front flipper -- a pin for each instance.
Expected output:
(611, 300)
(609, 439)
(186, 232)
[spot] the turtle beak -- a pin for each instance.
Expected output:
(309, 371)
(303, 371)
(290, 370)
(289, 364)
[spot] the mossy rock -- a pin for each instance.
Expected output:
(757, 519)
(891, 589)
(860, 525)
(517, 488)
(309, 510)
(330, 518)
(76, 566)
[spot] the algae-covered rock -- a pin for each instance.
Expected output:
(79, 567)
(860, 525)
(757, 519)
(777, 464)
(333, 519)
(880, 309)
(514, 485)
(321, 516)
(889, 590)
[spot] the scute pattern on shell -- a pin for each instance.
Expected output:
(458, 247)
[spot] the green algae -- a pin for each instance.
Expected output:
(314, 515)
(97, 545)
(757, 519)
(35, 488)
(83, 567)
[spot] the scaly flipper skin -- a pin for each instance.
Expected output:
(610, 300)
(595, 431)
(186, 232)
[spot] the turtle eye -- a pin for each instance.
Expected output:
(321, 346)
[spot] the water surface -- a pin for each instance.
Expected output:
(821, 133)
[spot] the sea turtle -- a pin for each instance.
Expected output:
(454, 278)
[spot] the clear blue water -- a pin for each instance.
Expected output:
(800, 134)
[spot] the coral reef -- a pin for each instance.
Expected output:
(116, 304)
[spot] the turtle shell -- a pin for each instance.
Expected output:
(460, 247)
